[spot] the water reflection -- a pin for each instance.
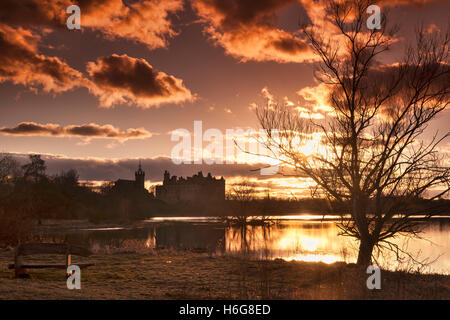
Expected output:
(320, 242)
(288, 239)
(306, 241)
(208, 237)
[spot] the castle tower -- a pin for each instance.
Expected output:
(166, 177)
(140, 177)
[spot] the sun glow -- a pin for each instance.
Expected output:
(309, 148)
(315, 241)
(325, 258)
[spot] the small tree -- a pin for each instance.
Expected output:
(242, 196)
(35, 169)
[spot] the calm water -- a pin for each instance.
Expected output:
(303, 238)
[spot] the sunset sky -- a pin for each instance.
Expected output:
(100, 98)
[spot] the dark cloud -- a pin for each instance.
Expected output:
(31, 13)
(111, 170)
(236, 13)
(290, 45)
(22, 64)
(90, 130)
(248, 30)
(416, 3)
(113, 18)
(123, 79)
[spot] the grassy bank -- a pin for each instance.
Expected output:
(169, 274)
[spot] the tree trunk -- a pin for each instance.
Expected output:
(365, 253)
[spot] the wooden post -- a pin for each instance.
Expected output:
(68, 262)
(20, 272)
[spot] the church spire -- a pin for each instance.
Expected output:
(140, 176)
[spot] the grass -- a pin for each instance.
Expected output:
(169, 274)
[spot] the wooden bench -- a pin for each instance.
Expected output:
(28, 249)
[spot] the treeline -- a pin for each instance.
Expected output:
(28, 195)
(277, 207)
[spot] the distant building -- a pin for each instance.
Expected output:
(132, 186)
(192, 189)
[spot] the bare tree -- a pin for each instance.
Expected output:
(242, 195)
(374, 157)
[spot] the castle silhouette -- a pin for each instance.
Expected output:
(192, 189)
(197, 188)
(132, 186)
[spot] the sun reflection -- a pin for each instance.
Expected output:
(310, 244)
(327, 258)
(313, 241)
(150, 242)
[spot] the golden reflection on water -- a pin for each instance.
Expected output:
(319, 242)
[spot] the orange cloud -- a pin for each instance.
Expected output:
(247, 30)
(123, 79)
(89, 131)
(146, 21)
(20, 63)
(50, 13)
(317, 97)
